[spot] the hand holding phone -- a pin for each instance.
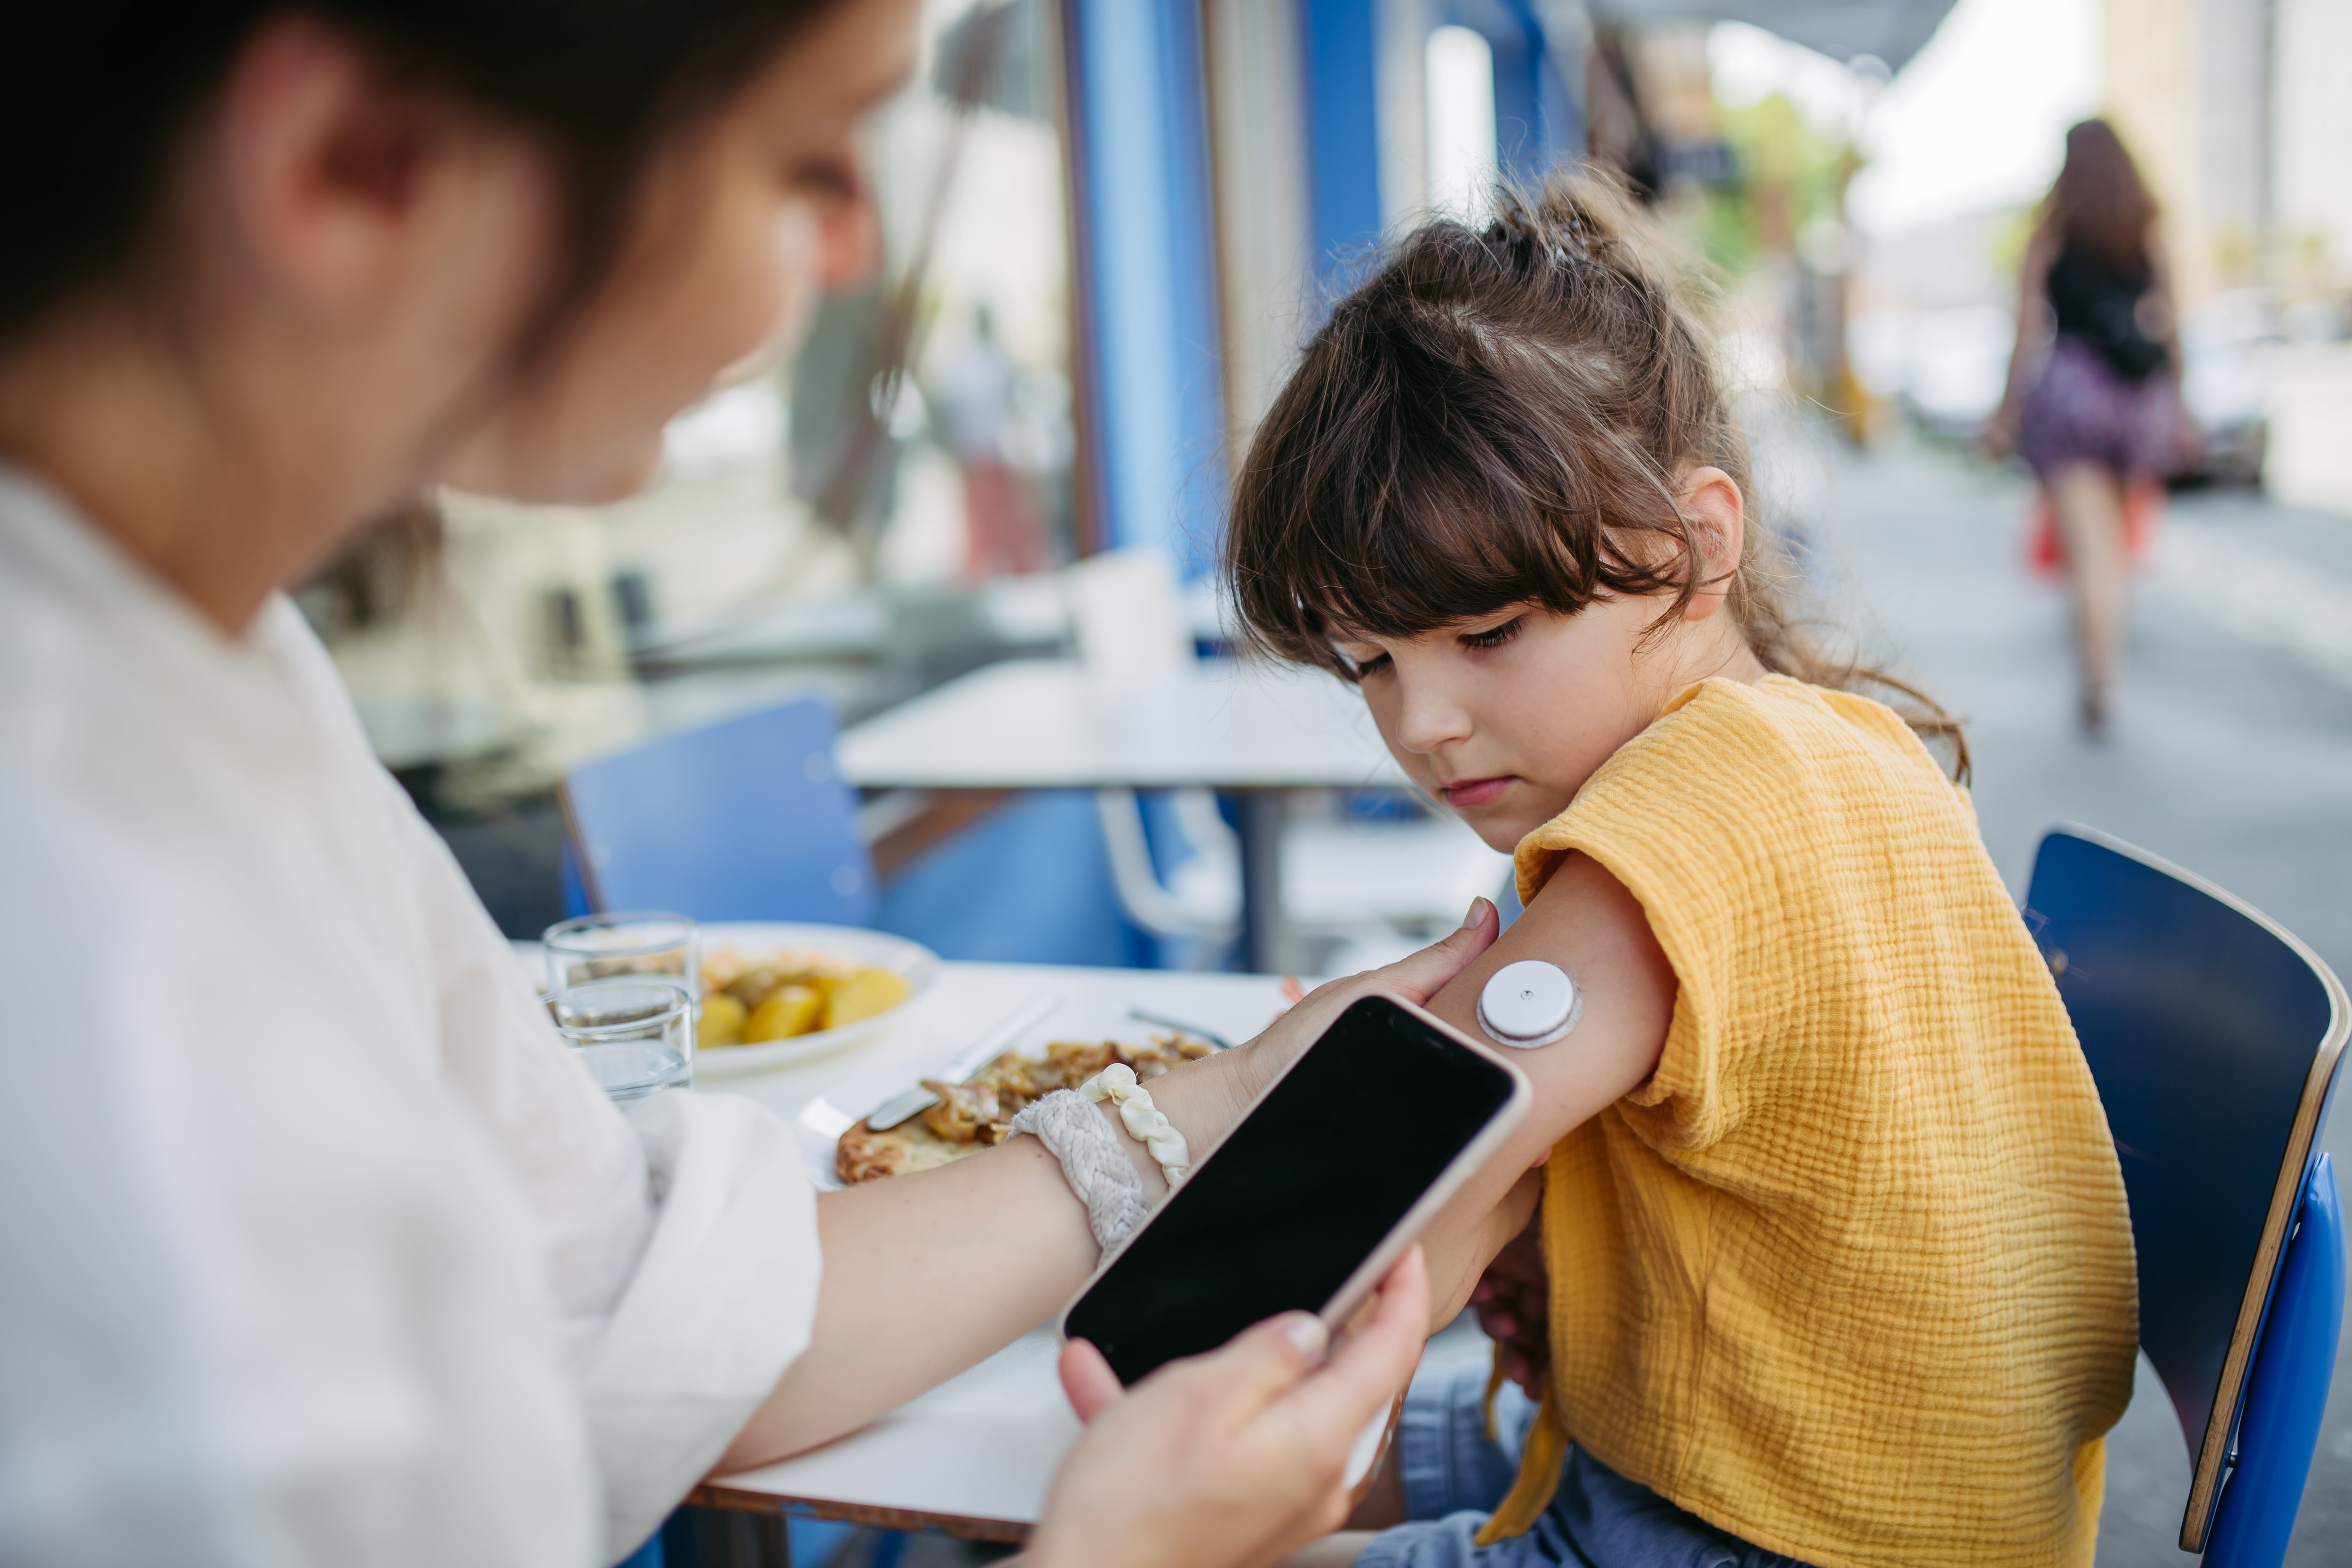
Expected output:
(1229, 1457)
(1311, 1199)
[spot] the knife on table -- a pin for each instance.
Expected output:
(976, 1055)
(1145, 1016)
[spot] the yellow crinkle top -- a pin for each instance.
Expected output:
(1850, 1275)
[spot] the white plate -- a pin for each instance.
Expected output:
(911, 961)
(817, 1129)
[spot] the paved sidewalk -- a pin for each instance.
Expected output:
(2230, 754)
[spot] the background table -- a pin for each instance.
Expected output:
(974, 1455)
(1257, 730)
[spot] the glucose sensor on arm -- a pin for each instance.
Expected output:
(1530, 1003)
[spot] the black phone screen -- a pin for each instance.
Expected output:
(1299, 1194)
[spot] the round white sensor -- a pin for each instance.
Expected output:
(1530, 1003)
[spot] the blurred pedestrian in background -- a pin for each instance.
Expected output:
(2097, 409)
(976, 397)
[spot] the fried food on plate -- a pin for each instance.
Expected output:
(974, 1115)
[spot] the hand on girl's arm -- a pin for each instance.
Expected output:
(1232, 1460)
(924, 1275)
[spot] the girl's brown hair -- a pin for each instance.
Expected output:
(2100, 204)
(1501, 416)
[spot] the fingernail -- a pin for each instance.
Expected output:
(1306, 1332)
(1478, 914)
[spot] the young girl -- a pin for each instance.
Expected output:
(1839, 1265)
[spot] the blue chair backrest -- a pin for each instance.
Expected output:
(2287, 1391)
(746, 819)
(2213, 1036)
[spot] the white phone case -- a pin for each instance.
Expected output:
(1407, 1230)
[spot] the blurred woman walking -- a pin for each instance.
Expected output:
(2100, 407)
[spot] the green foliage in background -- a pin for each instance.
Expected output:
(1784, 159)
(2010, 241)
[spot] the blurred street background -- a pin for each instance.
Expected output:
(1109, 227)
(1109, 224)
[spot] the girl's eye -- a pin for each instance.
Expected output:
(1494, 636)
(1368, 666)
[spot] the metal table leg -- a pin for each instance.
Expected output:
(725, 1537)
(1265, 947)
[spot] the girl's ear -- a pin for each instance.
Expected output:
(1712, 505)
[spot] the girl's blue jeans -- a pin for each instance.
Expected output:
(1454, 1476)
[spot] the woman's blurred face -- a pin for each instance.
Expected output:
(737, 230)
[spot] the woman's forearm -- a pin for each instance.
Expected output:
(927, 1274)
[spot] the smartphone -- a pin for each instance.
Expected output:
(1311, 1199)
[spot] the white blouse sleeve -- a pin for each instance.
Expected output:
(319, 1249)
(681, 1238)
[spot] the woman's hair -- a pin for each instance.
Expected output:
(1502, 414)
(2100, 205)
(96, 97)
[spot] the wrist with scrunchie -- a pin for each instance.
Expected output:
(1093, 1162)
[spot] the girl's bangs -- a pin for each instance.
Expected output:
(1403, 553)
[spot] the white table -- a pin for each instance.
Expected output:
(974, 1455)
(1259, 730)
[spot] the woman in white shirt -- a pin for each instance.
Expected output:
(319, 1249)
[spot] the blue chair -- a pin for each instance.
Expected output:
(694, 1537)
(2214, 1037)
(746, 819)
(1030, 882)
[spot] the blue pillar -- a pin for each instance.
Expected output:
(1147, 283)
(1343, 131)
(1538, 112)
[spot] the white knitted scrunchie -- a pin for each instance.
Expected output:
(1094, 1162)
(1145, 1121)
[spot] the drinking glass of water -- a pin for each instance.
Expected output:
(646, 941)
(634, 1032)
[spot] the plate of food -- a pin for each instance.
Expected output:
(773, 993)
(972, 1115)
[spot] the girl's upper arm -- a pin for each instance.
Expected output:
(1585, 921)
